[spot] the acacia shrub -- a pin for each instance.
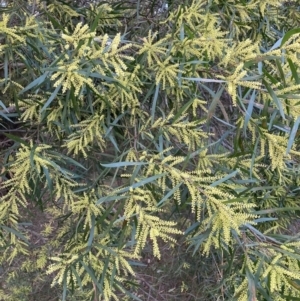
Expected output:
(109, 128)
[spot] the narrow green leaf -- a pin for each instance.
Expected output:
(104, 271)
(287, 36)
(64, 285)
(214, 103)
(273, 210)
(154, 102)
(110, 198)
(252, 78)
(91, 274)
(16, 139)
(110, 136)
(249, 109)
(265, 219)
(182, 110)
(289, 96)
(122, 164)
(277, 44)
(15, 232)
(37, 82)
(251, 285)
(167, 196)
(293, 135)
(196, 62)
(5, 117)
(92, 232)
(224, 122)
(281, 73)
(275, 98)
(98, 75)
(128, 293)
(293, 68)
(253, 157)
(5, 66)
(142, 182)
(135, 174)
(113, 141)
(271, 122)
(112, 125)
(68, 159)
(78, 280)
(138, 9)
(199, 239)
(48, 178)
(264, 292)
(191, 228)
(274, 80)
(95, 19)
(136, 263)
(286, 252)
(149, 93)
(3, 106)
(53, 20)
(210, 91)
(32, 153)
(51, 98)
(204, 80)
(236, 200)
(216, 183)
(258, 188)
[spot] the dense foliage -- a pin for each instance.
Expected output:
(125, 124)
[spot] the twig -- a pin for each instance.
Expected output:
(13, 65)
